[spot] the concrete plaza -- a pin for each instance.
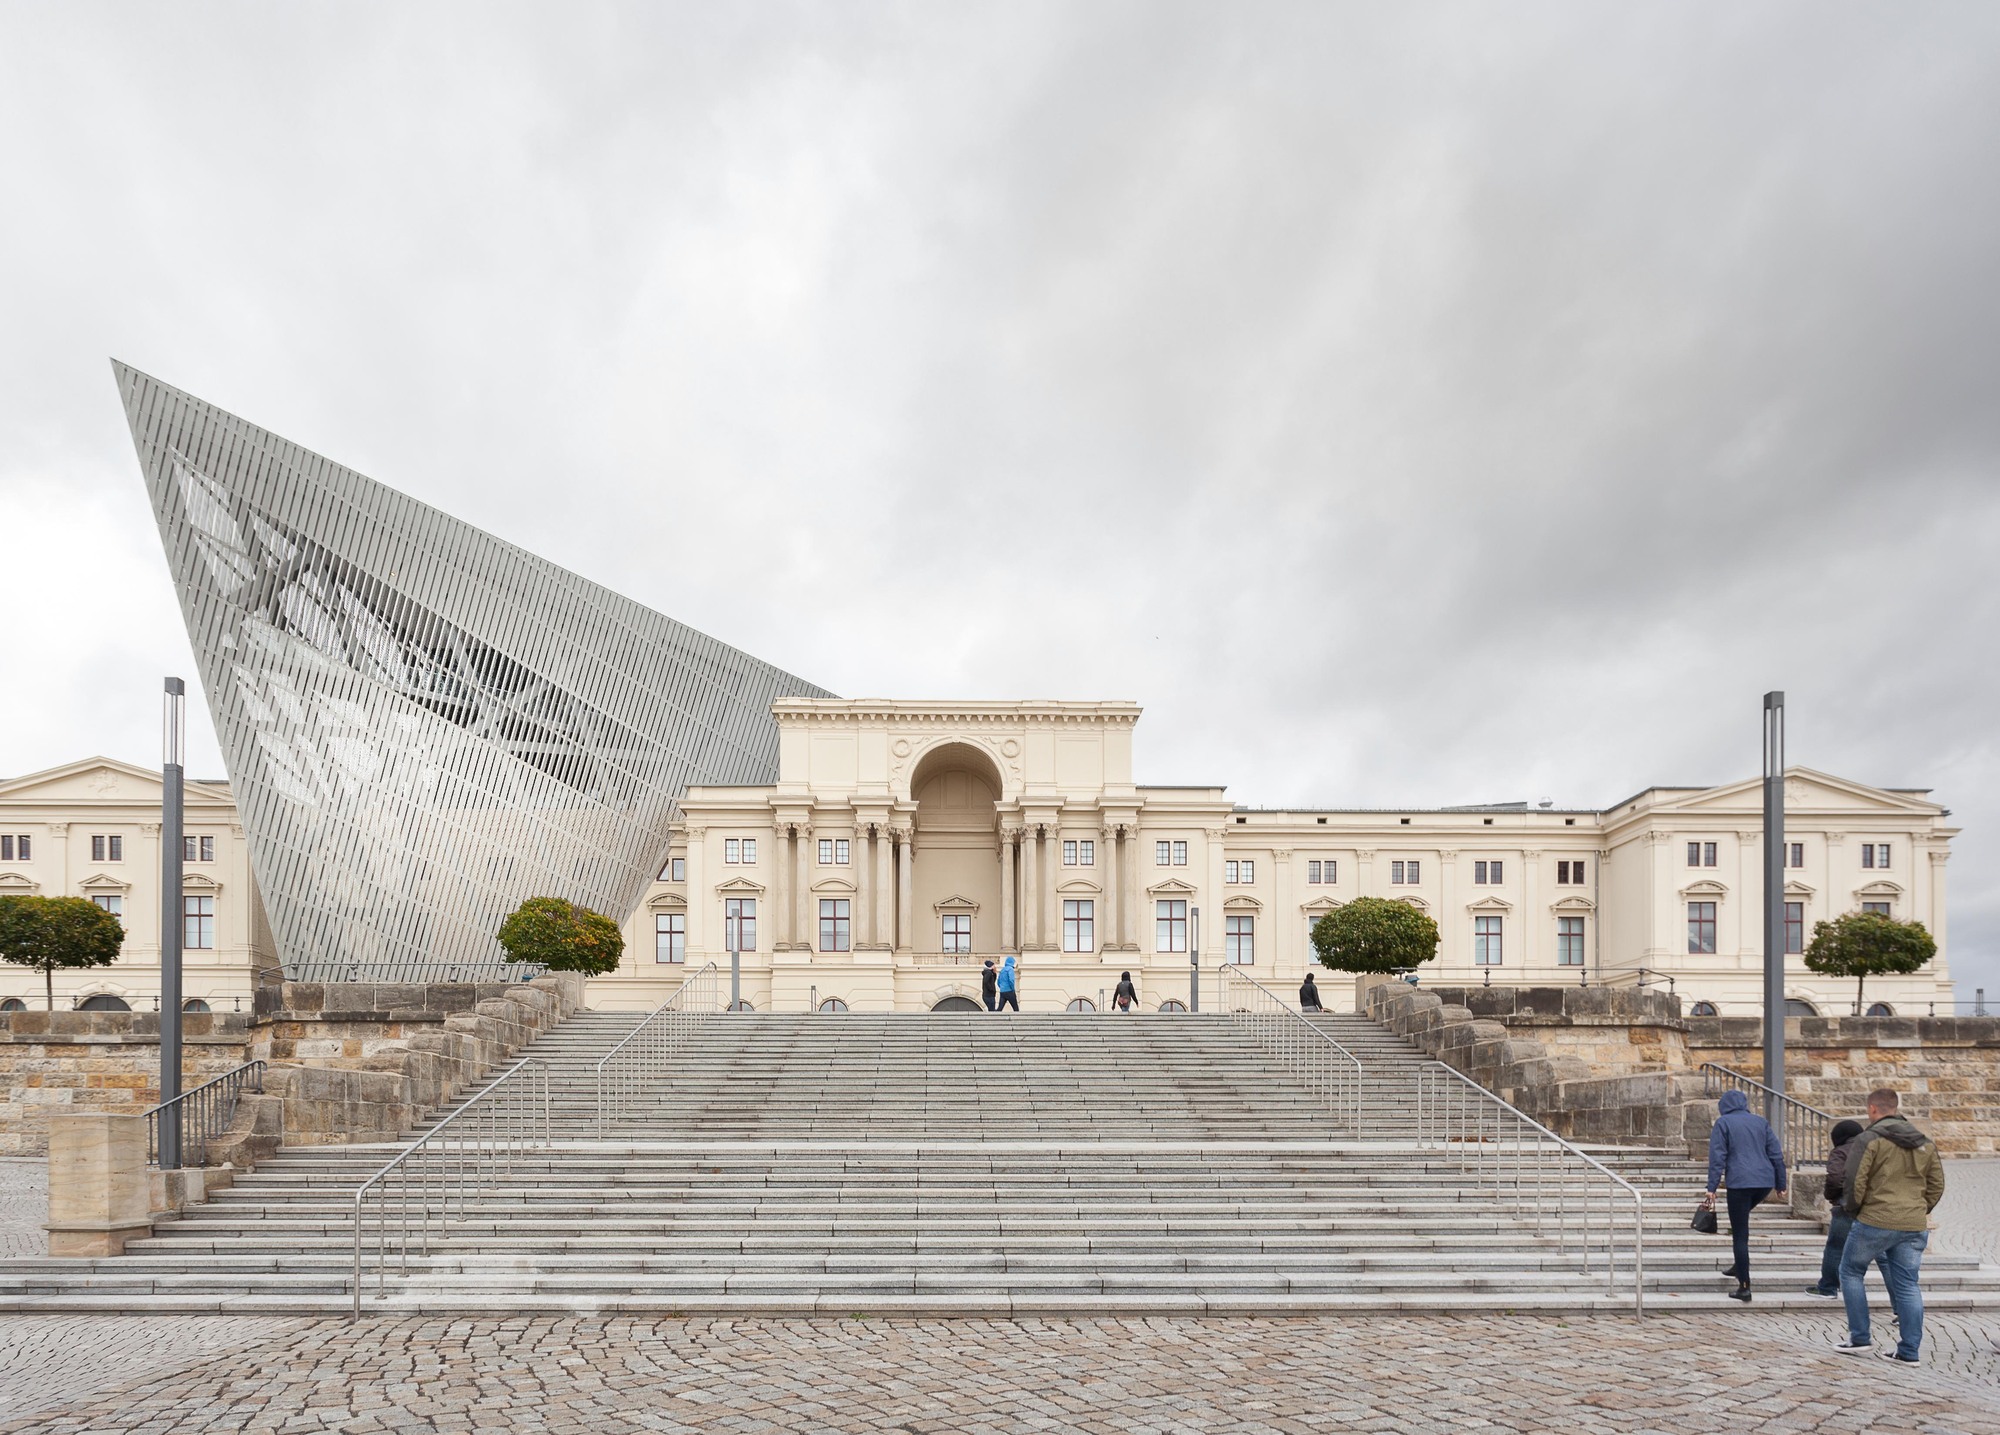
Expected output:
(1422, 1374)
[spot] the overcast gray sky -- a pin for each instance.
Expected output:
(1407, 404)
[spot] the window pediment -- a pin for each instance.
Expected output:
(18, 884)
(1172, 887)
(668, 902)
(744, 887)
(1882, 887)
(1320, 906)
(1708, 889)
(103, 882)
(200, 882)
(1418, 902)
(1572, 904)
(1799, 889)
(1242, 903)
(956, 904)
(1079, 884)
(1490, 904)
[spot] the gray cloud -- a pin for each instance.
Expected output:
(1412, 404)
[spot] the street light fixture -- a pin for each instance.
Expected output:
(173, 732)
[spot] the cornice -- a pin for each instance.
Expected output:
(892, 713)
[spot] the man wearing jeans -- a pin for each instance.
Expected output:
(1894, 1182)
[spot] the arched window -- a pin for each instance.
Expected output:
(956, 1004)
(194, 1006)
(743, 1005)
(1702, 1009)
(1799, 1006)
(1171, 1005)
(1081, 1004)
(103, 1001)
(1881, 1009)
(13, 1004)
(833, 1004)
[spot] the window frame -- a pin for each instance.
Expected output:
(739, 924)
(1239, 939)
(1701, 918)
(955, 932)
(197, 922)
(1170, 924)
(1079, 923)
(670, 928)
(1570, 945)
(1489, 935)
(1795, 928)
(836, 924)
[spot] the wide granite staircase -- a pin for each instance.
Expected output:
(960, 1165)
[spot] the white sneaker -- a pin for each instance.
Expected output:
(1846, 1347)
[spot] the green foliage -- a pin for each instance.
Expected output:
(1375, 934)
(1867, 944)
(46, 933)
(562, 937)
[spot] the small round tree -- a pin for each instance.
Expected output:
(1375, 934)
(72, 933)
(562, 936)
(1867, 944)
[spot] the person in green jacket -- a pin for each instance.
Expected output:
(1894, 1181)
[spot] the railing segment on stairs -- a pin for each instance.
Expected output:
(1329, 1070)
(205, 1112)
(1550, 1180)
(641, 1059)
(1806, 1131)
(429, 1181)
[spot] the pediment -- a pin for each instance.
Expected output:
(1799, 889)
(744, 887)
(1078, 884)
(199, 882)
(104, 782)
(1172, 887)
(1705, 889)
(1242, 903)
(1880, 887)
(831, 884)
(956, 904)
(668, 902)
(1572, 904)
(1320, 906)
(1806, 791)
(1418, 902)
(104, 882)
(1490, 904)
(18, 884)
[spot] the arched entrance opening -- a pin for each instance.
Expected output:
(957, 1004)
(955, 892)
(103, 1001)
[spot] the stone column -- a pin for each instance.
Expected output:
(905, 886)
(1107, 851)
(1454, 923)
(1052, 903)
(885, 910)
(1030, 893)
(98, 1189)
(1283, 937)
(802, 895)
(1533, 940)
(1135, 907)
(697, 895)
(781, 884)
(1006, 890)
(864, 888)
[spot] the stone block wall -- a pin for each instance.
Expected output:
(1946, 1069)
(1612, 1030)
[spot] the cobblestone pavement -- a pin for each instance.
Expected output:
(24, 1205)
(1426, 1375)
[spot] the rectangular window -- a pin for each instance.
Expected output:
(1405, 874)
(1569, 941)
(674, 869)
(1239, 940)
(109, 848)
(1163, 854)
(1880, 909)
(833, 924)
(1324, 873)
(1701, 927)
(1239, 872)
(957, 931)
(739, 924)
(111, 902)
(197, 849)
(198, 924)
(1701, 854)
(1180, 854)
(670, 937)
(1069, 853)
(732, 850)
(1795, 854)
(1486, 941)
(1795, 928)
(1569, 874)
(1170, 926)
(1486, 874)
(1875, 854)
(16, 849)
(1086, 854)
(1080, 926)
(841, 851)
(826, 851)
(749, 849)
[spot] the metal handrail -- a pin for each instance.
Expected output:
(1499, 1142)
(475, 1143)
(205, 1110)
(1329, 1070)
(1802, 1129)
(634, 1060)
(335, 970)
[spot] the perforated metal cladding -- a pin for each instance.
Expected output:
(424, 724)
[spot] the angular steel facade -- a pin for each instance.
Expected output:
(424, 724)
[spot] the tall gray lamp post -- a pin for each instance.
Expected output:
(1774, 900)
(172, 922)
(1194, 959)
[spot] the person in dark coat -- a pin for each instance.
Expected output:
(1309, 995)
(989, 983)
(1127, 995)
(1744, 1154)
(1843, 1136)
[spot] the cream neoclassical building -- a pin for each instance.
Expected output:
(92, 829)
(906, 842)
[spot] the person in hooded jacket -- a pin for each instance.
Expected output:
(1744, 1155)
(1843, 1136)
(1895, 1179)
(1309, 995)
(1126, 996)
(989, 986)
(1005, 984)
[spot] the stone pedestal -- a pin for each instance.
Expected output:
(99, 1194)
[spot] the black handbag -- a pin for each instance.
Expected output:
(1704, 1219)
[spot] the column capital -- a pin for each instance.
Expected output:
(695, 834)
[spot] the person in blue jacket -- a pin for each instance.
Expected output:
(1008, 998)
(1744, 1155)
